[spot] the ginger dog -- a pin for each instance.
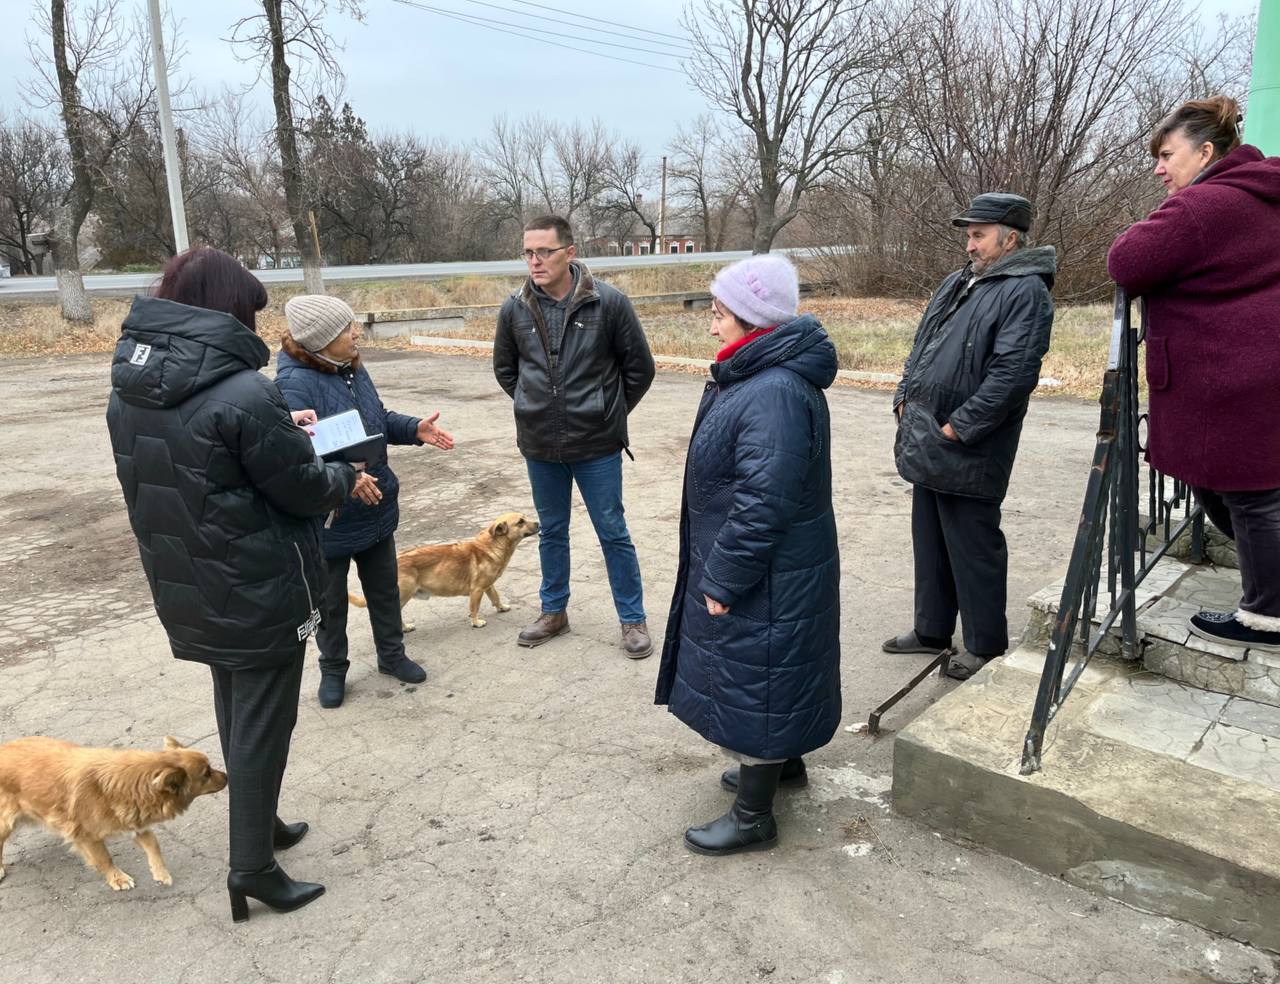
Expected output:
(468, 567)
(90, 794)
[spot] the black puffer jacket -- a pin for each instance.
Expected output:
(220, 486)
(975, 361)
(572, 405)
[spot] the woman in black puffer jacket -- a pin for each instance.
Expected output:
(752, 654)
(222, 490)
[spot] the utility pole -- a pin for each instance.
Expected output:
(172, 166)
(662, 210)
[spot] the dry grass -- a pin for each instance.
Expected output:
(870, 334)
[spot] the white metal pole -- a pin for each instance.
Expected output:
(172, 166)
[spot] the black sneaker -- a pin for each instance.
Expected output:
(1225, 628)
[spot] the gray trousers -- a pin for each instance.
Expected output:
(256, 712)
(1252, 519)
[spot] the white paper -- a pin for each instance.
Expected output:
(339, 431)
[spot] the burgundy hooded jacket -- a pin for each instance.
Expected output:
(1207, 261)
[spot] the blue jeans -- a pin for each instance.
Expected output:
(600, 483)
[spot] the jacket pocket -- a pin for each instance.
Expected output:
(1157, 363)
(925, 457)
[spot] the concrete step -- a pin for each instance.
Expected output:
(1170, 595)
(1152, 792)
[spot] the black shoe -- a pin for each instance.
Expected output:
(333, 689)
(270, 886)
(1227, 629)
(793, 774)
(285, 835)
(405, 670)
(749, 825)
(965, 664)
(911, 642)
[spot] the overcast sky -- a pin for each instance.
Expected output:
(409, 68)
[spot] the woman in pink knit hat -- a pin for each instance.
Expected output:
(752, 654)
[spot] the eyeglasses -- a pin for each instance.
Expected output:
(542, 253)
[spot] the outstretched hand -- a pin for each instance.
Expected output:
(437, 437)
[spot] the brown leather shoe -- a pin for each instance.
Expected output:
(635, 640)
(547, 627)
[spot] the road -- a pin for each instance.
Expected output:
(517, 819)
(126, 284)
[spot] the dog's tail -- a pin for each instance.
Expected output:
(356, 600)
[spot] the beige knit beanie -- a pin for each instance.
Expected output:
(315, 320)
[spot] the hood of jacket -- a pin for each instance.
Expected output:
(800, 345)
(291, 351)
(1246, 169)
(1039, 261)
(168, 351)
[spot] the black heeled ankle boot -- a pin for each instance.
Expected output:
(793, 774)
(749, 825)
(272, 887)
(285, 835)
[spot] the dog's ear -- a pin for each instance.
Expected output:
(499, 529)
(171, 743)
(171, 779)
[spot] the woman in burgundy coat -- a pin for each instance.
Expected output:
(1208, 263)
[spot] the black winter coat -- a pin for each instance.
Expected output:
(308, 383)
(220, 485)
(758, 533)
(572, 405)
(975, 361)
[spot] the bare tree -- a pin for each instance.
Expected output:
(296, 25)
(33, 179)
(796, 74)
(625, 179)
(100, 84)
(707, 179)
(1047, 98)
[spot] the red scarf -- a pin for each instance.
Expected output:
(728, 351)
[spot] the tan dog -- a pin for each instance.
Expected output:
(90, 794)
(468, 567)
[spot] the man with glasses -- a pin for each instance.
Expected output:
(570, 352)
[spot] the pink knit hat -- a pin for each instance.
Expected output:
(763, 291)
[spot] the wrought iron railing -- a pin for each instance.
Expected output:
(1116, 546)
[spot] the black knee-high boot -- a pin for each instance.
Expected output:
(749, 825)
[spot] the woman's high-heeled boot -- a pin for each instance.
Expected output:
(285, 835)
(749, 825)
(272, 887)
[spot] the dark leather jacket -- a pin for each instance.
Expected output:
(572, 405)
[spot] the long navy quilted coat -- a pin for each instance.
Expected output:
(757, 533)
(222, 488)
(311, 384)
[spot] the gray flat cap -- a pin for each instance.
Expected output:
(997, 207)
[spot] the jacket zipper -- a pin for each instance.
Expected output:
(302, 569)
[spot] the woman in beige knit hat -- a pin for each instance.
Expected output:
(319, 368)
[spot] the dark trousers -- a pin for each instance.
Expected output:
(256, 711)
(962, 565)
(376, 568)
(1252, 519)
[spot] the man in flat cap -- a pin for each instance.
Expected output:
(964, 392)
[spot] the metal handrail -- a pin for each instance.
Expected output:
(1111, 532)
